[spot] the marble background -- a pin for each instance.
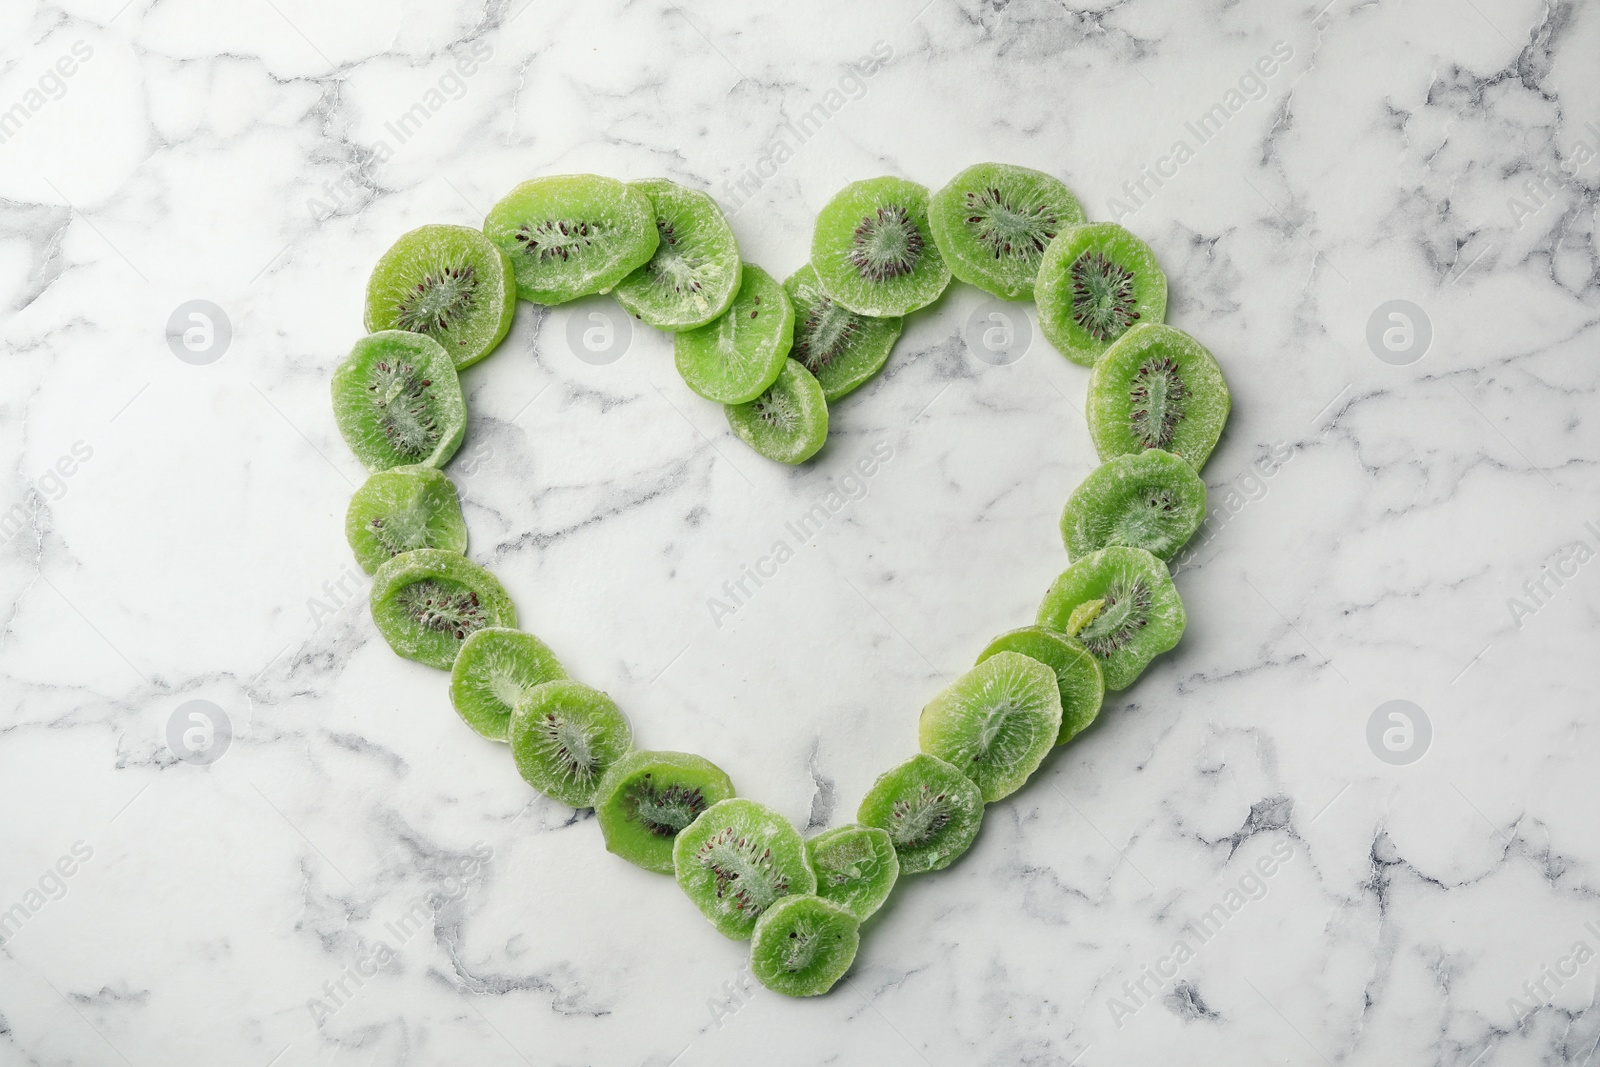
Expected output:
(174, 534)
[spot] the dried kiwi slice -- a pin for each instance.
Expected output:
(993, 222)
(1096, 282)
(1157, 388)
(448, 282)
(494, 670)
(930, 810)
(856, 867)
(733, 359)
(995, 723)
(428, 601)
(1121, 605)
(1077, 673)
(647, 798)
(572, 235)
(1151, 500)
(564, 737)
(397, 401)
(803, 945)
(788, 422)
(402, 509)
(840, 348)
(873, 251)
(695, 270)
(736, 860)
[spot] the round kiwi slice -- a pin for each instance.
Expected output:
(572, 235)
(993, 222)
(1121, 605)
(803, 945)
(873, 251)
(564, 737)
(733, 359)
(694, 272)
(995, 723)
(736, 860)
(1096, 282)
(930, 810)
(840, 348)
(448, 282)
(788, 422)
(494, 670)
(1077, 673)
(1157, 388)
(647, 798)
(1151, 500)
(427, 602)
(402, 509)
(856, 867)
(397, 401)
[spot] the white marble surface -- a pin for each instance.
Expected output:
(241, 153)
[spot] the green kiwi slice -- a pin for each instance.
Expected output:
(993, 222)
(1077, 673)
(788, 422)
(1157, 388)
(494, 670)
(803, 945)
(402, 509)
(1151, 500)
(648, 798)
(564, 737)
(572, 235)
(449, 283)
(856, 867)
(691, 277)
(1096, 282)
(397, 401)
(427, 602)
(873, 251)
(995, 723)
(930, 810)
(840, 348)
(736, 860)
(733, 359)
(1121, 605)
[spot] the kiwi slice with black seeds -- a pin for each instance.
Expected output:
(402, 509)
(1096, 282)
(572, 235)
(993, 222)
(1120, 604)
(1157, 388)
(873, 251)
(427, 602)
(841, 348)
(397, 401)
(788, 422)
(448, 282)
(693, 274)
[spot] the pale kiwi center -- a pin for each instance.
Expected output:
(801, 947)
(1010, 224)
(504, 685)
(1144, 521)
(560, 239)
(1125, 611)
(677, 266)
(743, 869)
(400, 393)
(918, 818)
(664, 810)
(437, 301)
(826, 332)
(1102, 296)
(1159, 399)
(443, 606)
(567, 748)
(886, 244)
(401, 530)
(778, 410)
(846, 862)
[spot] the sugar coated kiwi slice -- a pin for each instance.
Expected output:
(564, 737)
(733, 359)
(993, 222)
(840, 348)
(572, 235)
(1151, 500)
(873, 251)
(995, 723)
(1157, 388)
(736, 860)
(930, 810)
(1096, 282)
(856, 867)
(402, 509)
(448, 282)
(803, 945)
(691, 277)
(397, 401)
(1077, 673)
(494, 670)
(788, 422)
(647, 798)
(1121, 605)
(427, 602)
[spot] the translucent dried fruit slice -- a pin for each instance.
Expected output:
(1157, 388)
(856, 867)
(564, 737)
(494, 670)
(930, 810)
(648, 798)
(840, 348)
(448, 282)
(995, 723)
(400, 510)
(1121, 605)
(733, 359)
(1077, 673)
(1096, 282)
(994, 221)
(803, 945)
(572, 235)
(736, 860)
(397, 401)
(695, 270)
(427, 602)
(873, 251)
(1151, 500)
(788, 422)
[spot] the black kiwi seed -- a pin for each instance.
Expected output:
(556, 238)
(439, 608)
